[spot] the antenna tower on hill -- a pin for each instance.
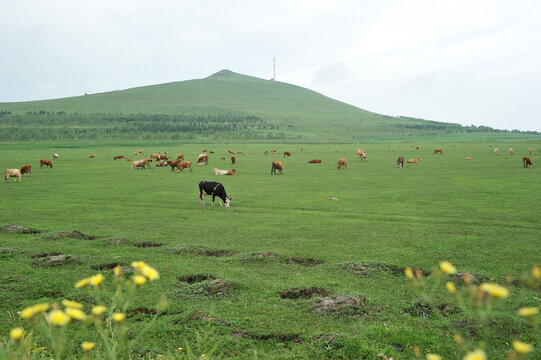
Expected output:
(274, 68)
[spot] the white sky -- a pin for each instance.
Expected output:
(471, 62)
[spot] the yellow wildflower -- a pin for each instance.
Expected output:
(521, 347)
(138, 264)
(28, 313)
(139, 280)
(98, 310)
(495, 290)
(72, 304)
(87, 345)
(409, 273)
(118, 317)
(58, 318)
(118, 270)
(77, 314)
(458, 339)
(433, 357)
(39, 308)
(475, 355)
(447, 268)
(16, 333)
(528, 311)
(82, 283)
(536, 272)
(151, 273)
(96, 279)
(450, 287)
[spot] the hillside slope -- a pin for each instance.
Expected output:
(225, 104)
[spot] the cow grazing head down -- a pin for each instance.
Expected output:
(215, 189)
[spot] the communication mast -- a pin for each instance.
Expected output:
(274, 68)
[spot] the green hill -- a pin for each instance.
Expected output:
(225, 105)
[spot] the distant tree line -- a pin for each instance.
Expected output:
(59, 125)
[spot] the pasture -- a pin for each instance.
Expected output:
(281, 233)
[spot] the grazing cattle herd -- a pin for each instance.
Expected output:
(216, 189)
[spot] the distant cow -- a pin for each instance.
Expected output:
(438, 150)
(229, 151)
(118, 157)
(232, 172)
(212, 152)
(183, 165)
(173, 163)
(233, 159)
(314, 161)
(273, 151)
(496, 151)
(413, 161)
(511, 151)
(342, 164)
(155, 156)
(205, 150)
(530, 150)
(527, 162)
(139, 164)
(180, 157)
(400, 162)
(16, 173)
(26, 169)
(266, 152)
(468, 158)
(214, 189)
(45, 162)
(91, 156)
(203, 158)
(277, 165)
(287, 153)
(219, 172)
(361, 153)
(55, 156)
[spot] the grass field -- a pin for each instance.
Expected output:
(280, 233)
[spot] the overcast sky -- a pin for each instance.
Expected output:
(471, 62)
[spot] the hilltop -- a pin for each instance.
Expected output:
(224, 105)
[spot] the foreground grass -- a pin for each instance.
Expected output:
(480, 214)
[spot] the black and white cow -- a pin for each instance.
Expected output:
(216, 190)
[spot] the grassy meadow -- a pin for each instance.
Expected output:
(281, 233)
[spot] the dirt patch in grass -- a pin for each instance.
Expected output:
(474, 278)
(215, 287)
(20, 229)
(118, 242)
(108, 266)
(200, 315)
(367, 269)
(341, 305)
(42, 255)
(75, 234)
(195, 278)
(304, 261)
(423, 309)
(304, 293)
(202, 251)
(141, 310)
(280, 338)
(147, 244)
(7, 252)
(261, 256)
(56, 260)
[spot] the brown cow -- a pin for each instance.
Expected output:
(468, 158)
(400, 162)
(155, 156)
(138, 152)
(184, 164)
(239, 152)
(414, 161)
(231, 172)
(205, 150)
(45, 162)
(180, 157)
(530, 150)
(438, 150)
(314, 161)
(342, 164)
(287, 153)
(266, 152)
(139, 164)
(511, 151)
(128, 160)
(91, 156)
(361, 153)
(160, 164)
(233, 159)
(212, 152)
(173, 164)
(203, 158)
(16, 173)
(273, 151)
(118, 157)
(26, 169)
(277, 165)
(527, 162)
